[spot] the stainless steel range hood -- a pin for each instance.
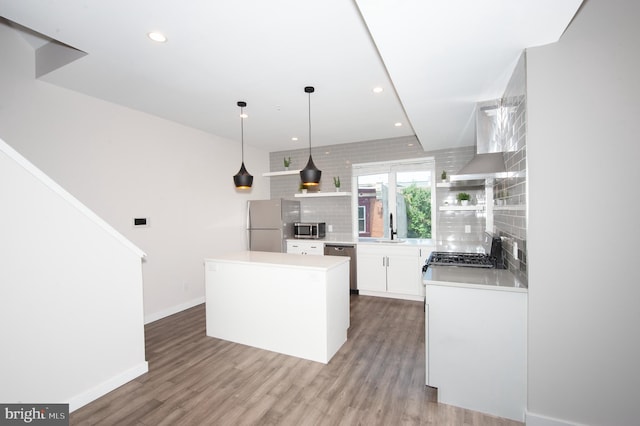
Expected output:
(489, 159)
(482, 166)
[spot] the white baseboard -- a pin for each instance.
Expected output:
(391, 295)
(533, 419)
(103, 388)
(173, 310)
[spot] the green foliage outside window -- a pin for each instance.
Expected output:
(418, 203)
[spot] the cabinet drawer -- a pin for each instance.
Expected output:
(305, 247)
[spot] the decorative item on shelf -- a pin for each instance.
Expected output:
(464, 198)
(336, 182)
(287, 162)
(242, 179)
(443, 176)
(310, 175)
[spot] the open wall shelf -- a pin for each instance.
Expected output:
(281, 173)
(322, 194)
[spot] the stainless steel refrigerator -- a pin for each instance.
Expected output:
(270, 223)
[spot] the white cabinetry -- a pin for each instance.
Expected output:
(390, 271)
(372, 270)
(403, 273)
(305, 247)
(294, 305)
(476, 348)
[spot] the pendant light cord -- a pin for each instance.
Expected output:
(309, 123)
(242, 131)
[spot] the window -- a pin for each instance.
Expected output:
(362, 223)
(401, 191)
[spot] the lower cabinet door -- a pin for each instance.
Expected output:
(372, 272)
(404, 275)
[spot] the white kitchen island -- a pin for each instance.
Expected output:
(288, 303)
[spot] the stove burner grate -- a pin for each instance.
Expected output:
(473, 260)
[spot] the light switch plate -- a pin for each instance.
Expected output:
(140, 222)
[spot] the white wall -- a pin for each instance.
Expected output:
(123, 164)
(71, 316)
(583, 148)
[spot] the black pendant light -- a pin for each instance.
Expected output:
(310, 175)
(242, 179)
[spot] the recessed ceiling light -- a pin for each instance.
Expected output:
(294, 139)
(156, 36)
(398, 124)
(377, 89)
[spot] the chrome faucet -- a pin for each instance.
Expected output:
(391, 231)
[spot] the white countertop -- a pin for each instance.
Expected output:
(349, 239)
(329, 238)
(281, 259)
(487, 278)
(450, 246)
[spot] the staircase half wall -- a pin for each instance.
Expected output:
(71, 310)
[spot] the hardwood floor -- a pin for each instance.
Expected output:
(376, 378)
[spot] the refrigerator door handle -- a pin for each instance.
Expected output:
(248, 230)
(248, 214)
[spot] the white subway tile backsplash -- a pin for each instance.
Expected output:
(511, 224)
(336, 160)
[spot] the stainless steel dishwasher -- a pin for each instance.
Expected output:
(349, 250)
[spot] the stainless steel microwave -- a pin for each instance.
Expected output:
(313, 230)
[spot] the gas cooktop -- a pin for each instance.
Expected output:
(491, 258)
(475, 260)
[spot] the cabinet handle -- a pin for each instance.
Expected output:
(387, 261)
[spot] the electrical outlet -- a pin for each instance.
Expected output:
(330, 228)
(467, 229)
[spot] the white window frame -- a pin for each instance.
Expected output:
(391, 167)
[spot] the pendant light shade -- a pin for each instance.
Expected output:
(310, 175)
(242, 179)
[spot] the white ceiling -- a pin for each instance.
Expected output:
(434, 59)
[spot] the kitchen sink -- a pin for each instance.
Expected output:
(387, 240)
